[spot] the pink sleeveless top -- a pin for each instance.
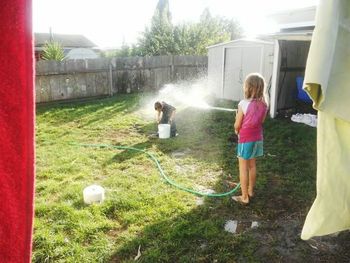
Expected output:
(254, 112)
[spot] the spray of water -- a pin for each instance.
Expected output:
(184, 94)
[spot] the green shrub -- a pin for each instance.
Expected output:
(53, 51)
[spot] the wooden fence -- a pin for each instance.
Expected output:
(75, 79)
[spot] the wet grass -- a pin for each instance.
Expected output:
(140, 209)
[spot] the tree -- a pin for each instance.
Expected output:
(162, 38)
(213, 30)
(188, 38)
(124, 51)
(158, 39)
(53, 51)
(194, 38)
(184, 39)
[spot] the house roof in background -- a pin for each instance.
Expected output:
(67, 41)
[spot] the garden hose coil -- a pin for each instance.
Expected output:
(161, 171)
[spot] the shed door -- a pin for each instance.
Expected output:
(239, 62)
(251, 60)
(232, 73)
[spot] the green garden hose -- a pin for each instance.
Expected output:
(167, 179)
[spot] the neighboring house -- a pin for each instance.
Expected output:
(280, 57)
(74, 46)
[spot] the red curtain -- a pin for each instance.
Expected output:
(16, 130)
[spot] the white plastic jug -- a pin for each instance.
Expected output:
(164, 131)
(93, 194)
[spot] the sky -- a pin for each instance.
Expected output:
(110, 23)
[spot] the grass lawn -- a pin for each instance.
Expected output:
(142, 211)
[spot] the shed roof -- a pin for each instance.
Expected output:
(293, 36)
(241, 40)
(295, 18)
(74, 41)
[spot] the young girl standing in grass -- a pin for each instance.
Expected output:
(248, 125)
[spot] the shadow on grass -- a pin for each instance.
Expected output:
(126, 154)
(196, 236)
(96, 110)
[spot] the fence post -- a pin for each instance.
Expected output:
(110, 78)
(172, 68)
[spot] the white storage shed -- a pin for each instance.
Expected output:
(229, 63)
(291, 51)
(291, 45)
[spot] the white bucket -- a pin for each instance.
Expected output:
(164, 131)
(93, 194)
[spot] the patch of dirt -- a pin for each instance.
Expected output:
(280, 240)
(180, 153)
(281, 206)
(181, 169)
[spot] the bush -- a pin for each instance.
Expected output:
(53, 51)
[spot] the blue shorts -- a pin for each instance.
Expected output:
(250, 150)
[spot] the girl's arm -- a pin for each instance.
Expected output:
(265, 100)
(239, 119)
(264, 117)
(172, 116)
(158, 116)
(267, 110)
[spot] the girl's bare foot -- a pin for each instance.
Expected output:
(239, 199)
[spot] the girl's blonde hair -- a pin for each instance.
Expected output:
(254, 86)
